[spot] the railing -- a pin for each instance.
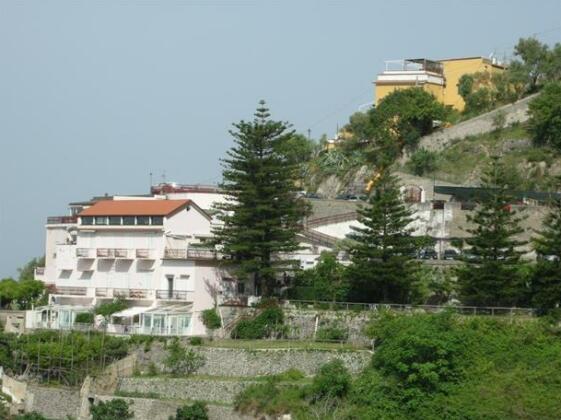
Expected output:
(83, 253)
(144, 253)
(70, 291)
(101, 292)
(121, 253)
(131, 293)
(39, 271)
(172, 294)
(60, 220)
(462, 310)
(190, 253)
(320, 238)
(105, 253)
(336, 218)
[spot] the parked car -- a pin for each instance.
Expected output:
(428, 254)
(450, 254)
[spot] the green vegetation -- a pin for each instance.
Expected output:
(26, 291)
(263, 213)
(382, 253)
(491, 276)
(422, 161)
(545, 117)
(211, 319)
(195, 411)
(85, 318)
(181, 361)
(268, 323)
(333, 332)
(117, 409)
(109, 308)
(431, 366)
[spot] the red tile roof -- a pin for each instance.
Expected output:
(135, 208)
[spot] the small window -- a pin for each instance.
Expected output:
(157, 220)
(142, 220)
(115, 220)
(87, 220)
(241, 288)
(101, 220)
(128, 220)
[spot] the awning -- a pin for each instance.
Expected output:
(130, 312)
(171, 309)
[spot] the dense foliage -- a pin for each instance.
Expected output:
(211, 319)
(545, 117)
(182, 361)
(268, 323)
(431, 367)
(262, 214)
(109, 308)
(117, 409)
(195, 411)
(382, 252)
(490, 276)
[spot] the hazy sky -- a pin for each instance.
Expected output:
(96, 95)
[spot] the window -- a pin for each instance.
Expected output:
(101, 220)
(241, 288)
(87, 220)
(128, 220)
(157, 220)
(142, 220)
(114, 220)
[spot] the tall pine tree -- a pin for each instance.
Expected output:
(545, 285)
(262, 214)
(491, 277)
(382, 252)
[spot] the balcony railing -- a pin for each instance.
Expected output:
(39, 271)
(172, 294)
(131, 293)
(190, 253)
(122, 253)
(145, 253)
(62, 220)
(84, 253)
(105, 253)
(102, 292)
(70, 291)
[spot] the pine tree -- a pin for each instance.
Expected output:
(382, 252)
(262, 214)
(491, 276)
(545, 286)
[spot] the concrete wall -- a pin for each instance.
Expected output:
(260, 362)
(53, 402)
(439, 140)
(17, 390)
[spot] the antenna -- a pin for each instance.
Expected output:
(150, 180)
(164, 177)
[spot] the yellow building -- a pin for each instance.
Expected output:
(437, 77)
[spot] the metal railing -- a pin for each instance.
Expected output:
(172, 294)
(83, 253)
(61, 220)
(144, 253)
(105, 253)
(319, 238)
(70, 291)
(462, 310)
(190, 253)
(39, 271)
(131, 293)
(101, 292)
(121, 253)
(336, 218)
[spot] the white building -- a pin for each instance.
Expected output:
(149, 252)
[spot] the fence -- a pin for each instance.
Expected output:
(462, 310)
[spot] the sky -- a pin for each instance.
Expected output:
(96, 95)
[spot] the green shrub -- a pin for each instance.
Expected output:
(332, 381)
(117, 409)
(423, 161)
(109, 308)
(270, 399)
(196, 341)
(268, 323)
(195, 411)
(29, 416)
(331, 333)
(290, 375)
(84, 318)
(182, 361)
(211, 319)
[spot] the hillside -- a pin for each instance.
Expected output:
(534, 168)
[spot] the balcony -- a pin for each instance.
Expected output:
(39, 273)
(102, 292)
(145, 253)
(84, 253)
(190, 254)
(172, 294)
(62, 220)
(105, 253)
(70, 291)
(131, 293)
(123, 253)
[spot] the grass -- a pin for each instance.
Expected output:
(281, 344)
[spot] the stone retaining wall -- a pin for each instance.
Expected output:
(222, 391)
(53, 402)
(260, 362)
